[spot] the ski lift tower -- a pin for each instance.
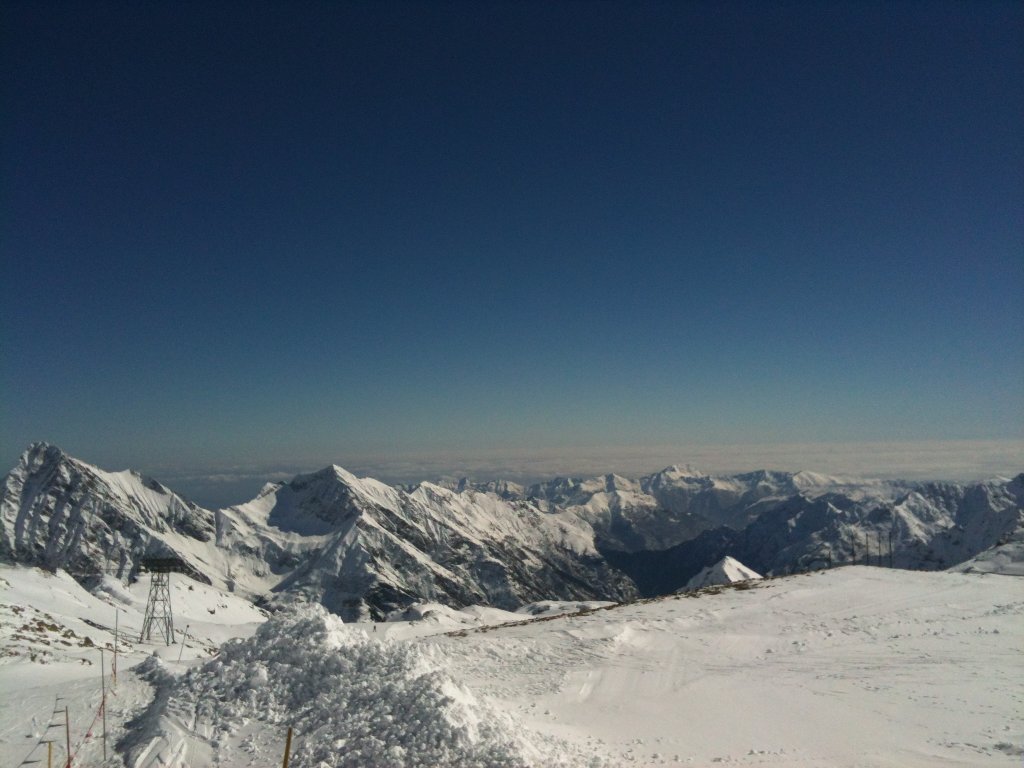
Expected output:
(158, 606)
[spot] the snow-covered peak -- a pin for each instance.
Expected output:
(779, 482)
(813, 484)
(728, 570)
(57, 510)
(675, 473)
(311, 504)
(329, 474)
(45, 462)
(357, 544)
(806, 479)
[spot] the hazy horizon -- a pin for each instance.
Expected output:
(954, 461)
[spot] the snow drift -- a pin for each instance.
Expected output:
(352, 700)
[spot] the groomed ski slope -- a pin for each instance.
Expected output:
(850, 667)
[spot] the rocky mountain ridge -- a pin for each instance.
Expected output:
(358, 546)
(363, 548)
(931, 526)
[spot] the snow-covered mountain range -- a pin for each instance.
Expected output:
(358, 546)
(926, 526)
(363, 548)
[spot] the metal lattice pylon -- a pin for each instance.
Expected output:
(158, 608)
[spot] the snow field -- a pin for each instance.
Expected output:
(851, 667)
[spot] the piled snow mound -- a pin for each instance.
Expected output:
(352, 700)
(728, 570)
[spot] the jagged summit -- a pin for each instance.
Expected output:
(676, 471)
(40, 448)
(41, 455)
(58, 511)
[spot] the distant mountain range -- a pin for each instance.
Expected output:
(363, 548)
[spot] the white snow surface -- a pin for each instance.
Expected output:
(728, 570)
(851, 667)
(51, 633)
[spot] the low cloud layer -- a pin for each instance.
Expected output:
(925, 460)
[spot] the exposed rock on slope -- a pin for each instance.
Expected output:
(369, 548)
(1006, 557)
(931, 527)
(56, 511)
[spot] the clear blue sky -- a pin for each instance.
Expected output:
(247, 233)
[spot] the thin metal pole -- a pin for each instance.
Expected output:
(49, 754)
(287, 746)
(182, 649)
(103, 704)
(117, 615)
(67, 733)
